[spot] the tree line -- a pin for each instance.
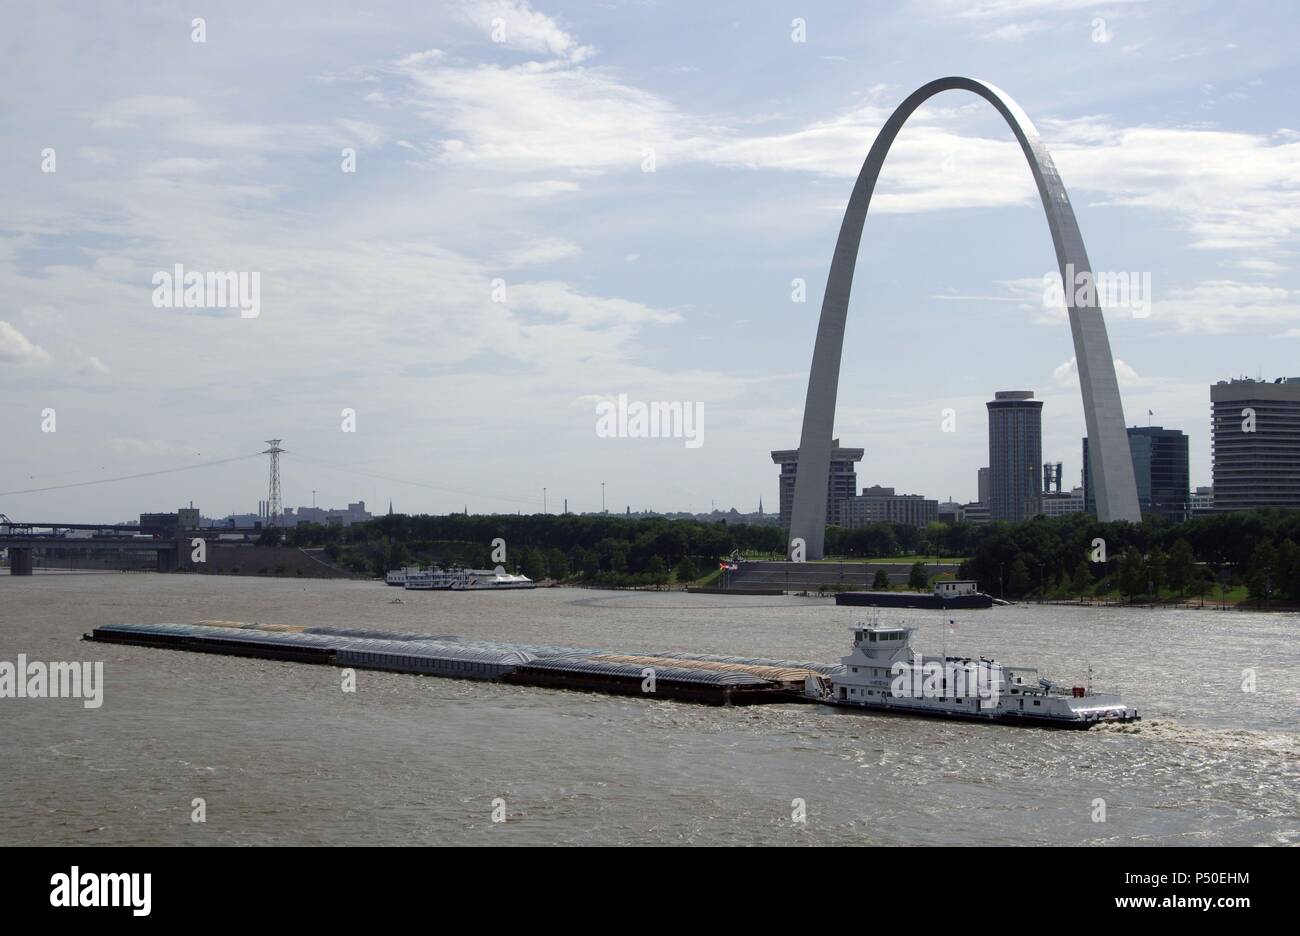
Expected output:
(1046, 557)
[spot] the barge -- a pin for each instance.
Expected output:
(881, 674)
(714, 680)
(947, 596)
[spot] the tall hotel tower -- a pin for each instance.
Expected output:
(1015, 455)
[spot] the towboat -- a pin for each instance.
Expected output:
(884, 674)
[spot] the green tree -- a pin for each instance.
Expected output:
(1180, 567)
(686, 571)
(1259, 573)
(1018, 583)
(918, 578)
(657, 569)
(270, 536)
(1132, 574)
(534, 565)
(881, 581)
(1157, 571)
(1082, 579)
(557, 564)
(1286, 571)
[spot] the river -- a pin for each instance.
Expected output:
(279, 754)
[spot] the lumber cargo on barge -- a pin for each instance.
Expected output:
(716, 680)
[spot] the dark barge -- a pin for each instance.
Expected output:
(714, 680)
(954, 596)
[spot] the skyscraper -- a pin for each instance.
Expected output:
(1015, 455)
(843, 478)
(1255, 443)
(1160, 467)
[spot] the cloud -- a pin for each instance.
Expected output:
(548, 250)
(15, 348)
(993, 8)
(1014, 32)
(514, 24)
(1221, 306)
(1067, 374)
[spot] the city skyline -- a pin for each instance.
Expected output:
(375, 286)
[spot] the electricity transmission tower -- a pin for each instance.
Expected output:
(273, 497)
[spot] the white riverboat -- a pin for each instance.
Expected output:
(398, 577)
(487, 579)
(466, 580)
(433, 579)
(884, 674)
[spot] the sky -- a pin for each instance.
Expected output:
(472, 222)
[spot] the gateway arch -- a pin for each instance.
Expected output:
(1111, 461)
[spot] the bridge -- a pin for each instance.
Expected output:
(23, 539)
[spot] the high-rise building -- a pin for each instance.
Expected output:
(1160, 467)
(1255, 443)
(983, 486)
(1015, 455)
(843, 478)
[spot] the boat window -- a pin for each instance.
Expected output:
(873, 637)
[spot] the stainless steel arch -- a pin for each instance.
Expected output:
(1112, 464)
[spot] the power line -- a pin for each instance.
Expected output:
(422, 484)
(132, 477)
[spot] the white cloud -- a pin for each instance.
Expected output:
(1014, 32)
(1067, 374)
(1221, 306)
(547, 250)
(514, 24)
(15, 348)
(992, 8)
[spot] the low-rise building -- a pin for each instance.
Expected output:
(876, 504)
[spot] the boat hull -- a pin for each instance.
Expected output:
(875, 599)
(1016, 719)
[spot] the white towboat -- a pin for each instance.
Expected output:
(883, 673)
